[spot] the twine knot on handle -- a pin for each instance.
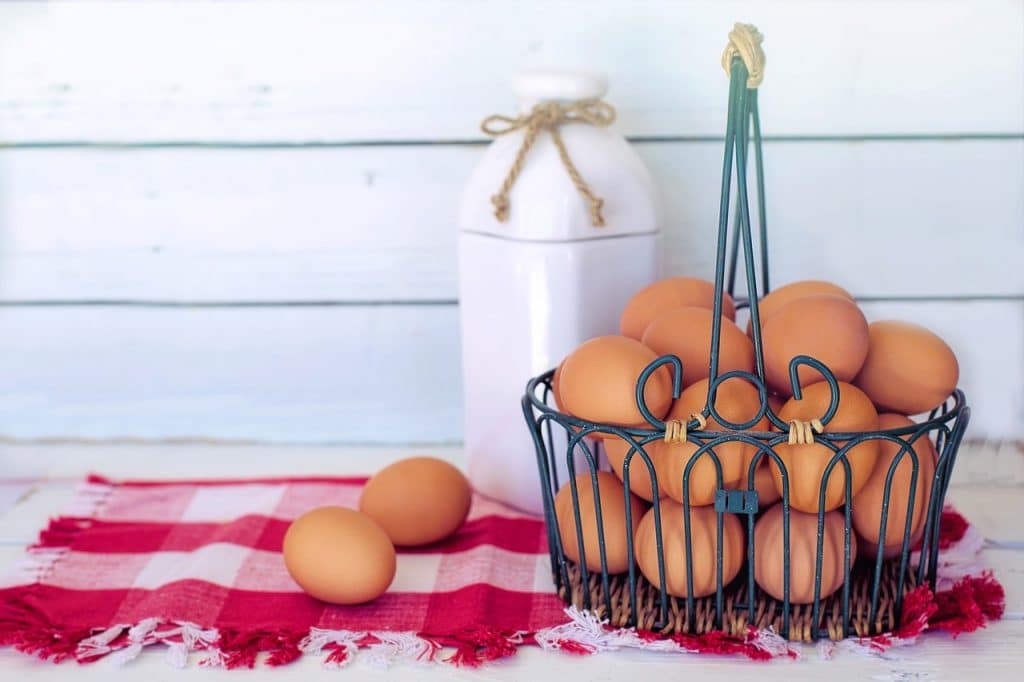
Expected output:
(675, 429)
(802, 433)
(549, 116)
(745, 43)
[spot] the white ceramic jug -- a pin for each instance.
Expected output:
(537, 285)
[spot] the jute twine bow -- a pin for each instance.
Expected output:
(745, 43)
(802, 433)
(549, 116)
(675, 429)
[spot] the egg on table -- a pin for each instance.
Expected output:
(611, 499)
(806, 463)
(339, 555)
(702, 523)
(686, 333)
(417, 501)
(674, 292)
(908, 369)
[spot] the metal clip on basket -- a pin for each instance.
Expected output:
(871, 596)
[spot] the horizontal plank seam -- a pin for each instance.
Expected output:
(356, 303)
(476, 142)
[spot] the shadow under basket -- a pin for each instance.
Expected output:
(735, 617)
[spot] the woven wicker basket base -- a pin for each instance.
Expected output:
(768, 612)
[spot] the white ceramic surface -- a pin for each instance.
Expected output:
(535, 287)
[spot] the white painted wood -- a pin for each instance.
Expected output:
(882, 218)
(362, 374)
(341, 374)
(159, 70)
(991, 654)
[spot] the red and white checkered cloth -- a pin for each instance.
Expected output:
(197, 566)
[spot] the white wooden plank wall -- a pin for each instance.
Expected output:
(237, 219)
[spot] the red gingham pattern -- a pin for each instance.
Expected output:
(209, 554)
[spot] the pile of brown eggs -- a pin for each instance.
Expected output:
(887, 372)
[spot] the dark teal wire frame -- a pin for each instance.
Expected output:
(945, 426)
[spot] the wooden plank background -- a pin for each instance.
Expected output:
(237, 219)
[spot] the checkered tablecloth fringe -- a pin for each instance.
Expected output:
(196, 566)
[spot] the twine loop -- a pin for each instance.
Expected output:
(675, 429)
(549, 116)
(745, 42)
(802, 433)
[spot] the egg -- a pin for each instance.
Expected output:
(686, 333)
(556, 380)
(774, 300)
(616, 449)
(908, 369)
(737, 401)
(417, 501)
(598, 382)
(825, 327)
(806, 463)
(339, 555)
(769, 547)
(866, 508)
(666, 294)
(703, 544)
(612, 497)
(764, 484)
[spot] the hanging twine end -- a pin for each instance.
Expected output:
(500, 203)
(596, 212)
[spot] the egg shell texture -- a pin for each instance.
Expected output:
(703, 543)
(774, 300)
(598, 382)
(417, 501)
(616, 449)
(908, 369)
(666, 294)
(686, 333)
(806, 463)
(737, 401)
(339, 555)
(866, 508)
(827, 328)
(613, 521)
(769, 546)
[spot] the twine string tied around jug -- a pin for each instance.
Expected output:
(549, 116)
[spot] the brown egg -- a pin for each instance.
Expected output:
(774, 300)
(764, 484)
(598, 382)
(769, 547)
(866, 508)
(616, 450)
(613, 519)
(806, 463)
(417, 501)
(556, 380)
(666, 294)
(703, 543)
(827, 328)
(737, 401)
(908, 368)
(686, 333)
(339, 555)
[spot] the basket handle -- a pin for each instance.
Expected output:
(745, 42)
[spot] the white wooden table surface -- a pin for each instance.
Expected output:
(988, 488)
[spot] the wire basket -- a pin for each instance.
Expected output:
(871, 596)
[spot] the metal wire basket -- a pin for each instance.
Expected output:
(872, 591)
